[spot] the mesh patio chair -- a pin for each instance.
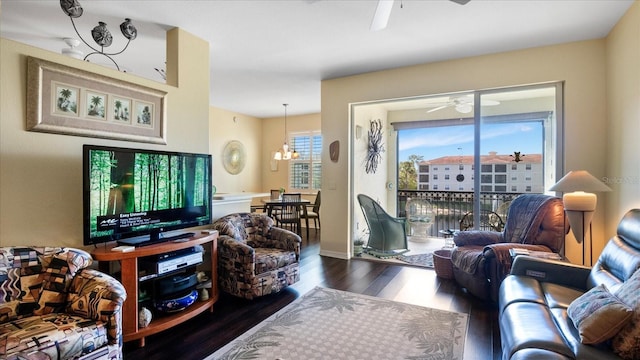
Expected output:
(387, 234)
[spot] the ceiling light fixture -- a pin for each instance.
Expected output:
(464, 108)
(284, 153)
(101, 35)
(71, 50)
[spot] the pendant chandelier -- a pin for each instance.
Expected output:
(284, 153)
(101, 35)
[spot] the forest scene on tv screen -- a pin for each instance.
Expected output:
(135, 191)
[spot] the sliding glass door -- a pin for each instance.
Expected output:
(517, 148)
(472, 153)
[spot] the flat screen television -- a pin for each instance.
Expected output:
(136, 196)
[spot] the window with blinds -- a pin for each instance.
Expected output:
(305, 172)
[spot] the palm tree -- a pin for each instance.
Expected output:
(415, 159)
(407, 176)
(95, 102)
(65, 93)
(63, 99)
(118, 105)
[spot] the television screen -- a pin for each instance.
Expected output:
(138, 194)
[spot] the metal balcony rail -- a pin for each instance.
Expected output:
(448, 208)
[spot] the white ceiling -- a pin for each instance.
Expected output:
(266, 53)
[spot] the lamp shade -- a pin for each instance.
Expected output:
(579, 201)
(579, 180)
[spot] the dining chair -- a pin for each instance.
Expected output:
(289, 212)
(273, 195)
(313, 214)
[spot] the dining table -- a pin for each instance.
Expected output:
(273, 204)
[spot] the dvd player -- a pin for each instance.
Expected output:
(174, 260)
(175, 263)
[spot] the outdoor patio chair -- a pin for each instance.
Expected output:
(387, 234)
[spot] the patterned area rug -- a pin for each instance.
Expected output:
(424, 260)
(333, 324)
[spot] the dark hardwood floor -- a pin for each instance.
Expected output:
(202, 335)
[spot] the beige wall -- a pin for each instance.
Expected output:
(623, 118)
(41, 174)
(581, 65)
(261, 137)
(226, 126)
(273, 137)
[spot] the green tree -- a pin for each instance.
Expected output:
(65, 93)
(415, 159)
(63, 100)
(118, 105)
(407, 176)
(96, 101)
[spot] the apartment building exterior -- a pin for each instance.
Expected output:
(498, 173)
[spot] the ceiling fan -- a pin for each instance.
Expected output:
(383, 12)
(462, 104)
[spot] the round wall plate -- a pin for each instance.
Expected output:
(234, 157)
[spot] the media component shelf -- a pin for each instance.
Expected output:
(130, 268)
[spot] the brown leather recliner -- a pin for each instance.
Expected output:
(481, 259)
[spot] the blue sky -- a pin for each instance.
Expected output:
(525, 137)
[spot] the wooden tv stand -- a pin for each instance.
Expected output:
(129, 278)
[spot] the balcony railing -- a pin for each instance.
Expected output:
(449, 207)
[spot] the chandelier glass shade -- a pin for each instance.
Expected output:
(100, 34)
(284, 153)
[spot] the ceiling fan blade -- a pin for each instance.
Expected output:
(489, 102)
(438, 108)
(461, 2)
(382, 14)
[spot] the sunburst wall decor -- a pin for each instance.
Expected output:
(375, 148)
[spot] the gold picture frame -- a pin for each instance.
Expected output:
(70, 101)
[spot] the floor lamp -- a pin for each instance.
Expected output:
(580, 203)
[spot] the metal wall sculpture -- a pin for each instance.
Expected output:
(375, 147)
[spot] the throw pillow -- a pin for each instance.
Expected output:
(60, 270)
(20, 282)
(598, 315)
(626, 343)
(55, 281)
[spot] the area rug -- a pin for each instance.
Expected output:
(338, 325)
(424, 260)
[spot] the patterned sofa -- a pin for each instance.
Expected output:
(255, 258)
(53, 307)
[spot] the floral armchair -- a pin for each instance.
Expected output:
(255, 258)
(52, 306)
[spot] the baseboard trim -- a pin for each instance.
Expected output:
(334, 254)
